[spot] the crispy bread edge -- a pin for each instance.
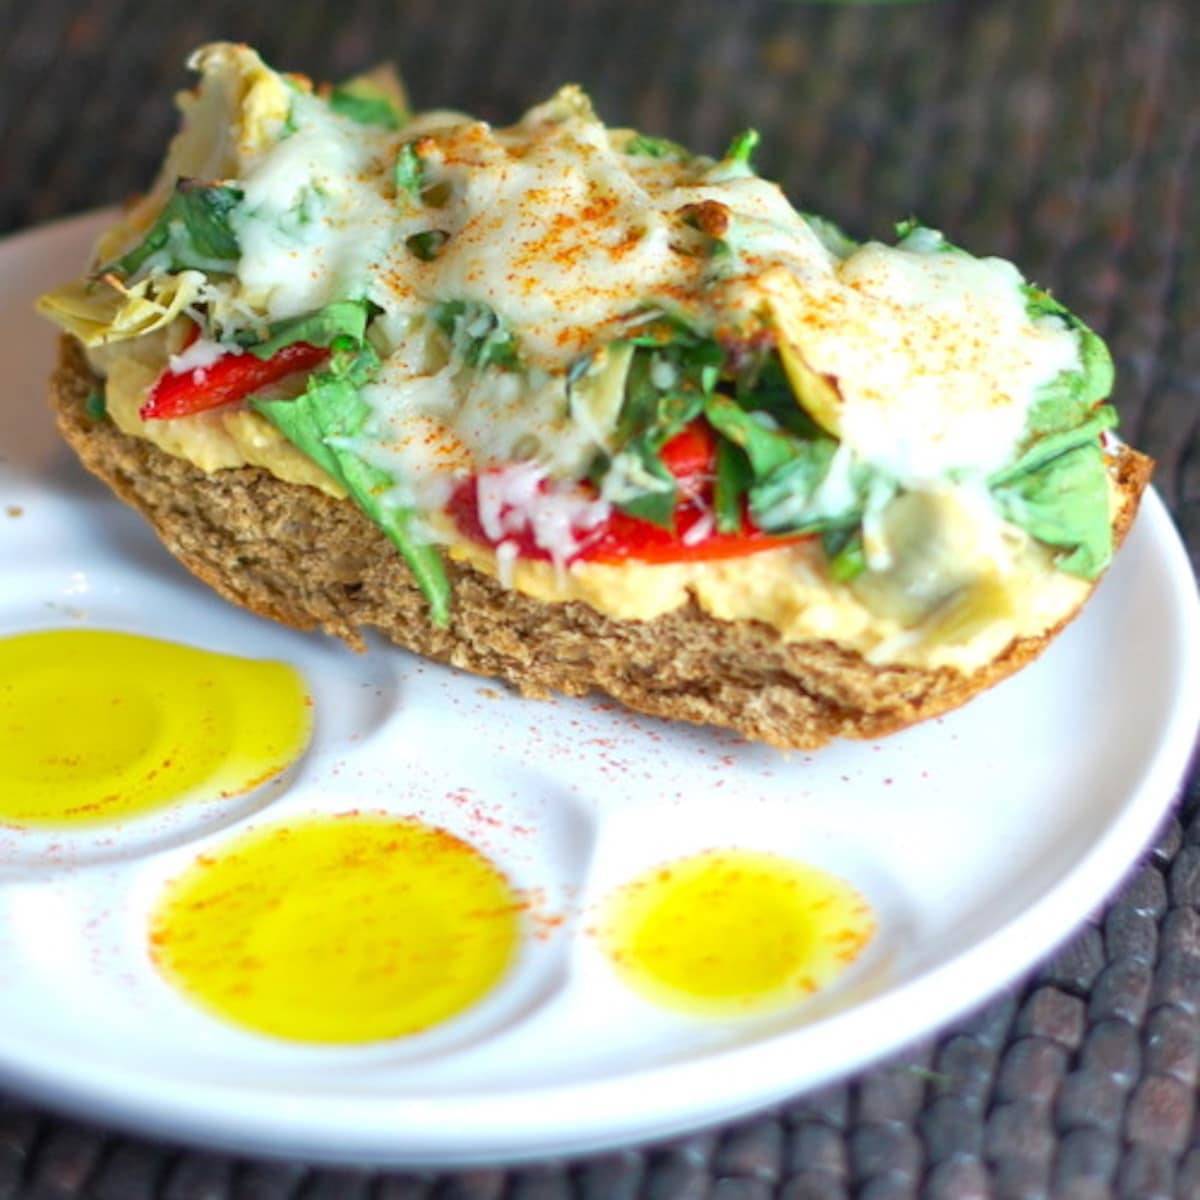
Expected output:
(295, 555)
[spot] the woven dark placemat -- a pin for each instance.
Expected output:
(1063, 134)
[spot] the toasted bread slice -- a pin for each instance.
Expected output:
(296, 555)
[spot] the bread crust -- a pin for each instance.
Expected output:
(300, 557)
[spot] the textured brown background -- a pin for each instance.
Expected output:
(1063, 133)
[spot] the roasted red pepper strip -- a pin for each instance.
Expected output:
(231, 378)
(624, 538)
(691, 458)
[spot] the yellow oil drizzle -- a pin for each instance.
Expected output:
(728, 932)
(96, 726)
(338, 929)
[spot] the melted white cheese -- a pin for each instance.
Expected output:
(314, 217)
(564, 235)
(201, 353)
(519, 499)
(934, 356)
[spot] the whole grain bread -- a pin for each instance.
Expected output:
(295, 555)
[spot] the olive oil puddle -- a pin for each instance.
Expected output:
(97, 726)
(340, 930)
(733, 932)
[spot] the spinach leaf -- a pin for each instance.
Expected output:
(1064, 503)
(673, 369)
(426, 245)
(733, 481)
(342, 318)
(846, 559)
(763, 385)
(364, 102)
(796, 486)
(1047, 448)
(658, 492)
(742, 147)
(790, 498)
(1057, 491)
(1057, 406)
(831, 236)
(96, 405)
(655, 147)
(192, 232)
(766, 449)
(320, 422)
(1067, 399)
(409, 172)
(912, 235)
(478, 334)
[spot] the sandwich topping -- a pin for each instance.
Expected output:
(601, 367)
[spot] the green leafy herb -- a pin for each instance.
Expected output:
(426, 245)
(734, 478)
(831, 236)
(656, 499)
(1064, 503)
(674, 367)
(789, 499)
(322, 421)
(192, 232)
(660, 328)
(766, 449)
(655, 147)
(844, 553)
(788, 473)
(763, 386)
(1057, 491)
(922, 239)
(95, 406)
(478, 334)
(342, 319)
(742, 147)
(367, 103)
(1057, 488)
(1067, 399)
(720, 250)
(409, 173)
(1048, 448)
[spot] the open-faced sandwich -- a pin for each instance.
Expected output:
(577, 408)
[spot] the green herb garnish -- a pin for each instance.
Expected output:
(742, 147)
(95, 406)
(831, 236)
(366, 103)
(320, 422)
(478, 334)
(341, 319)
(193, 232)
(427, 245)
(674, 367)
(409, 172)
(733, 481)
(655, 147)
(844, 553)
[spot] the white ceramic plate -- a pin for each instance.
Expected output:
(981, 840)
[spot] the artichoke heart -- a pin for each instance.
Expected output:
(99, 311)
(817, 394)
(596, 398)
(936, 557)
